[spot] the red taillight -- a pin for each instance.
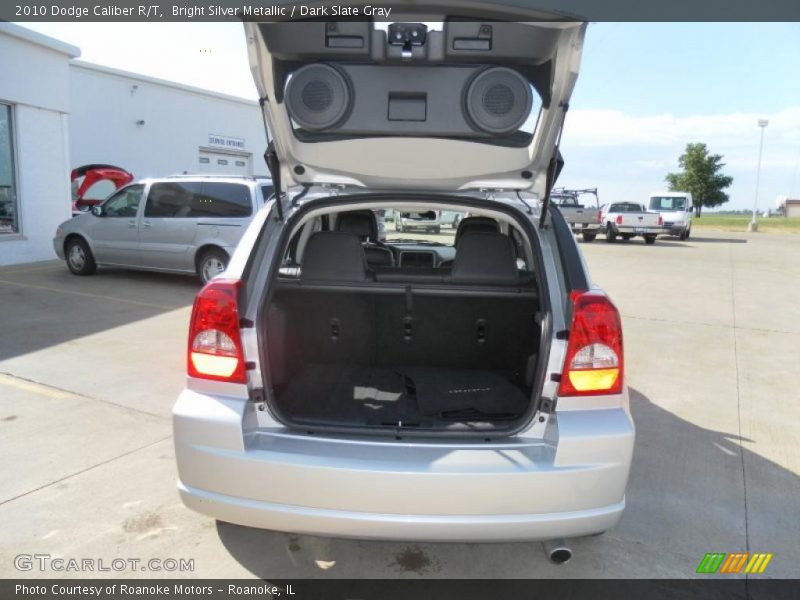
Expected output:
(660, 220)
(619, 219)
(599, 216)
(215, 345)
(594, 362)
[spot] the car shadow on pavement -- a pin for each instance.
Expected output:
(639, 242)
(45, 305)
(715, 240)
(685, 498)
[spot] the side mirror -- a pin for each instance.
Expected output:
(97, 211)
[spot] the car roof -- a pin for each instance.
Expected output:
(245, 179)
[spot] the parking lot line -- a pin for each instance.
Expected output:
(87, 295)
(33, 387)
(55, 393)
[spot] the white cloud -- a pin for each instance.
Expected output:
(614, 128)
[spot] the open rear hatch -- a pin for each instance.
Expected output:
(446, 98)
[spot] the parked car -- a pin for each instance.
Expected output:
(451, 218)
(333, 390)
(675, 209)
(629, 219)
(582, 218)
(429, 220)
(86, 177)
(180, 224)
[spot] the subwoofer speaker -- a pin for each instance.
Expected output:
(318, 97)
(498, 100)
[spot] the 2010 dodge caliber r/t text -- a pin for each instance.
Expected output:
(465, 384)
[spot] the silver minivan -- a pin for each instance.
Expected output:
(181, 224)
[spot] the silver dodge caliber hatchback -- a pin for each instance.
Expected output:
(460, 385)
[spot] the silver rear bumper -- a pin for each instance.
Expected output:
(640, 230)
(514, 489)
(382, 526)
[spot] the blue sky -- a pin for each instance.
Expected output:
(645, 90)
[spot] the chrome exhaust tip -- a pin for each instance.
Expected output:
(557, 551)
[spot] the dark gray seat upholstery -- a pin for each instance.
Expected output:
(364, 224)
(473, 225)
(476, 225)
(485, 258)
(334, 256)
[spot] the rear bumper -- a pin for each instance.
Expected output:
(382, 526)
(586, 227)
(379, 488)
(639, 230)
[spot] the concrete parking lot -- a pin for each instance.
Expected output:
(89, 368)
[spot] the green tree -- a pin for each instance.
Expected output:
(700, 177)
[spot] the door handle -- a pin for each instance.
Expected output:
(132, 224)
(147, 224)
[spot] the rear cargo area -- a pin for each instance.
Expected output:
(402, 358)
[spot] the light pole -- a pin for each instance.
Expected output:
(753, 226)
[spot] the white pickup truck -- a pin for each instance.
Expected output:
(629, 219)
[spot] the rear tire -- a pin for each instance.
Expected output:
(610, 235)
(650, 239)
(210, 264)
(589, 237)
(80, 260)
(688, 233)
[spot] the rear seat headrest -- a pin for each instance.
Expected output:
(334, 256)
(362, 223)
(475, 225)
(485, 258)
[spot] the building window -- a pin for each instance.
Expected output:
(9, 211)
(222, 161)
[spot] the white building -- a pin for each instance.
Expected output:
(153, 127)
(57, 113)
(34, 142)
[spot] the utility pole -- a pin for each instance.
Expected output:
(753, 226)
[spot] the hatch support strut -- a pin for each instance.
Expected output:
(273, 164)
(554, 168)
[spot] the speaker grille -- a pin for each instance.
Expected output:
(318, 97)
(498, 100)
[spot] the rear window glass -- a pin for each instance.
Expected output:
(626, 208)
(193, 199)
(667, 203)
